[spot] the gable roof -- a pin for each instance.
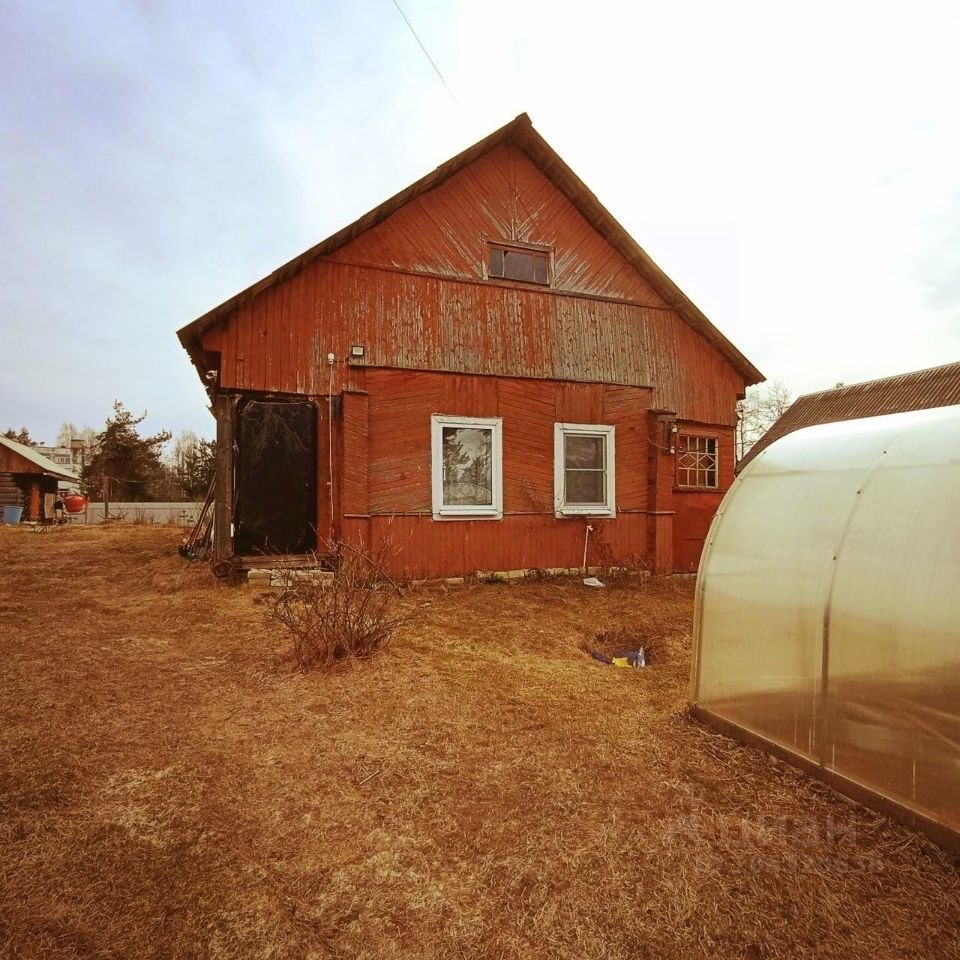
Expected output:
(521, 134)
(919, 390)
(45, 464)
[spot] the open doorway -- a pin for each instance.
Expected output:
(275, 496)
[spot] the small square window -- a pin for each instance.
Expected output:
(697, 461)
(584, 470)
(467, 467)
(526, 264)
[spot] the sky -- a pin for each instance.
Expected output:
(794, 168)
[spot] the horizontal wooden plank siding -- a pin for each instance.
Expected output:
(396, 414)
(355, 467)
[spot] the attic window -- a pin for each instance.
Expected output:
(526, 264)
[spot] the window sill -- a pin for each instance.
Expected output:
(451, 515)
(579, 512)
(518, 284)
(683, 489)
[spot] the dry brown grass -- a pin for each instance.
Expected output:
(173, 787)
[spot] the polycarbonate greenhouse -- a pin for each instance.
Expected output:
(828, 611)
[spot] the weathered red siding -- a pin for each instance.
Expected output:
(410, 291)
(502, 195)
(599, 346)
(395, 417)
(694, 508)
(431, 324)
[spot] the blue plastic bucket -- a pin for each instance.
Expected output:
(12, 514)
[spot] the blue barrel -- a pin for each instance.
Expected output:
(12, 514)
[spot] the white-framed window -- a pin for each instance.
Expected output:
(467, 467)
(584, 470)
(697, 461)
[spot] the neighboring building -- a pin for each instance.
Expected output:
(29, 479)
(919, 390)
(506, 366)
(71, 456)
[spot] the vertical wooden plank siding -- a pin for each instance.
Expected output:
(427, 323)
(661, 472)
(326, 528)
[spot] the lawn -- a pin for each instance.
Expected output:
(172, 786)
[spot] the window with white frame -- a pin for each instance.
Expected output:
(696, 461)
(584, 474)
(467, 467)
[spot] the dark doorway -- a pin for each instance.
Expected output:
(276, 478)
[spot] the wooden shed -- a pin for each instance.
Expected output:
(28, 479)
(476, 371)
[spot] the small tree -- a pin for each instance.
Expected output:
(123, 464)
(764, 405)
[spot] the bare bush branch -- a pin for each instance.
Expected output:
(351, 612)
(763, 406)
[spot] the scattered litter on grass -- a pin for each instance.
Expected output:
(623, 658)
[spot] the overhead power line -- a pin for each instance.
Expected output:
(446, 85)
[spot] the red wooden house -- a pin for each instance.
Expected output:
(476, 370)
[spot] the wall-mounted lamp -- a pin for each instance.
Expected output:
(356, 351)
(672, 438)
(210, 375)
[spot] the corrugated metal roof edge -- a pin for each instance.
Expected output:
(45, 463)
(792, 419)
(519, 131)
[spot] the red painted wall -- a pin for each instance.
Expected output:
(695, 507)
(388, 431)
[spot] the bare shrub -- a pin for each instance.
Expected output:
(141, 517)
(352, 611)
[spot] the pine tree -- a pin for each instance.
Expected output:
(21, 436)
(123, 464)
